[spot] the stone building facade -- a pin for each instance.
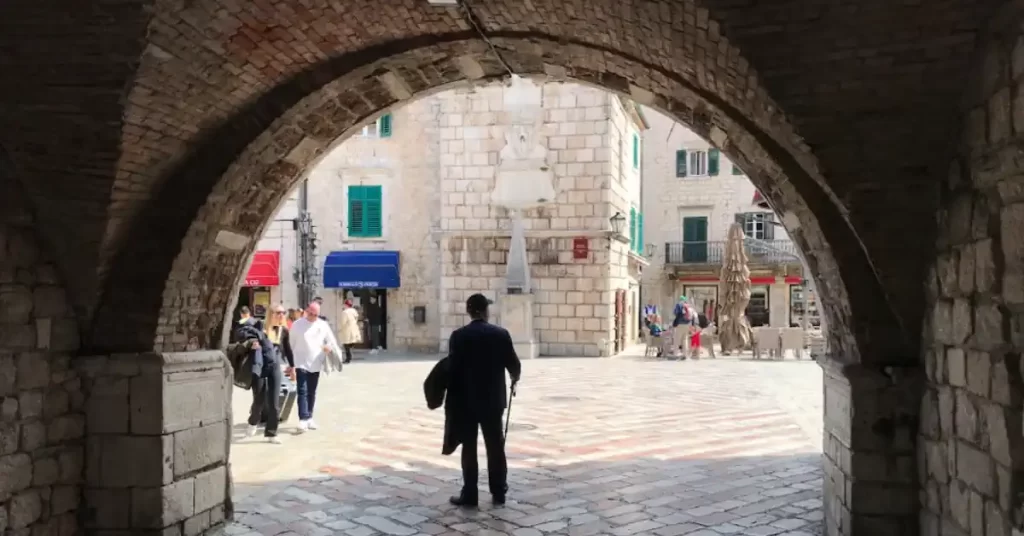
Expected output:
(693, 193)
(436, 169)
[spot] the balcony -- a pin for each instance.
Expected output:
(763, 252)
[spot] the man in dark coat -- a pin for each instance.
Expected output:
(479, 353)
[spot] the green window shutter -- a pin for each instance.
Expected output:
(640, 234)
(636, 151)
(374, 212)
(384, 126)
(681, 163)
(356, 211)
(713, 155)
(736, 170)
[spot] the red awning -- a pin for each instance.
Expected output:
(759, 200)
(265, 270)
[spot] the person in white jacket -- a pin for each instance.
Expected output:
(348, 329)
(313, 345)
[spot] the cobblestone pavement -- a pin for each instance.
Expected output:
(597, 446)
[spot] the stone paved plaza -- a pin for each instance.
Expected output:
(597, 446)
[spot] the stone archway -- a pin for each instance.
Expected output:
(197, 116)
(219, 231)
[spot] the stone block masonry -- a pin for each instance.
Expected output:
(971, 447)
(41, 404)
(167, 417)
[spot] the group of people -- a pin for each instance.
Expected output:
(470, 380)
(687, 326)
(298, 344)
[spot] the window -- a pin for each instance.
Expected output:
(757, 225)
(365, 212)
(636, 151)
(697, 163)
(381, 128)
(698, 166)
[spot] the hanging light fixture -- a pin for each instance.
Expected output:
(618, 222)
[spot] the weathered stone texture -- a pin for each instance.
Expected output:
(172, 426)
(969, 466)
(41, 422)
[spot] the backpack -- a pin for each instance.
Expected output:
(240, 356)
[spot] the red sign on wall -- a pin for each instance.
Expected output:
(580, 248)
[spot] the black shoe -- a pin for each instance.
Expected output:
(462, 500)
(499, 498)
(347, 361)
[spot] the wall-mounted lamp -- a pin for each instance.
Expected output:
(618, 222)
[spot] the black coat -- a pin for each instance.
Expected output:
(470, 381)
(480, 355)
(434, 390)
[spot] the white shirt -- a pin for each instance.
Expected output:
(307, 340)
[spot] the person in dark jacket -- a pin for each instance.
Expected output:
(266, 375)
(479, 354)
(277, 332)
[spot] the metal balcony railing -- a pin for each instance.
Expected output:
(711, 252)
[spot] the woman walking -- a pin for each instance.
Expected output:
(349, 331)
(266, 392)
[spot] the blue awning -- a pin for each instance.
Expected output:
(361, 269)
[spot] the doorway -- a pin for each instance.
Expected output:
(372, 304)
(695, 239)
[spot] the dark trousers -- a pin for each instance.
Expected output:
(306, 383)
(374, 336)
(348, 352)
(497, 465)
(266, 393)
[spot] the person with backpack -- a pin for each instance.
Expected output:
(684, 321)
(264, 367)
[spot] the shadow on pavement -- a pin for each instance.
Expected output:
(769, 495)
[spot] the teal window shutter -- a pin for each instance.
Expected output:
(365, 212)
(713, 156)
(636, 151)
(356, 211)
(736, 170)
(681, 163)
(640, 234)
(384, 126)
(374, 210)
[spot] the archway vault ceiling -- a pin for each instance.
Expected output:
(142, 131)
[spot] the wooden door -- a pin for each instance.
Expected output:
(695, 239)
(620, 320)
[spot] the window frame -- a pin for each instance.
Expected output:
(697, 160)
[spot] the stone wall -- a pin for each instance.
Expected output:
(41, 419)
(571, 296)
(971, 444)
(158, 439)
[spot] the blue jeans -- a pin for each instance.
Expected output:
(306, 383)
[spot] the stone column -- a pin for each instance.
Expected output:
(871, 420)
(158, 431)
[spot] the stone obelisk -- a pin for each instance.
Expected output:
(523, 181)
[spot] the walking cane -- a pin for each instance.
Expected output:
(508, 416)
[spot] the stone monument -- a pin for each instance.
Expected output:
(523, 181)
